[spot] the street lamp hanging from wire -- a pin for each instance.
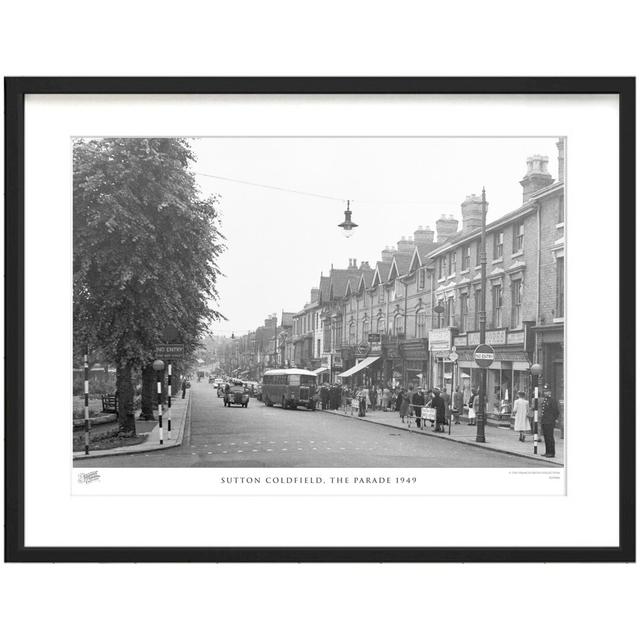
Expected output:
(348, 226)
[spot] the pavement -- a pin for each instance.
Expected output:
(179, 418)
(501, 439)
(260, 436)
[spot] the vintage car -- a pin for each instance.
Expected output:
(236, 394)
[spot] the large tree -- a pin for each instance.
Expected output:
(145, 253)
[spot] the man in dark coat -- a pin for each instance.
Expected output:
(549, 413)
(324, 397)
(438, 404)
(418, 403)
(457, 404)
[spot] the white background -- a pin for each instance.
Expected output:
(487, 38)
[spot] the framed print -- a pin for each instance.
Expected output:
(320, 319)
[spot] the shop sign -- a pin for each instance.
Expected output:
(325, 360)
(498, 336)
(375, 348)
(515, 337)
(460, 341)
(440, 340)
(337, 362)
(374, 337)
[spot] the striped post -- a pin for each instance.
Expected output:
(535, 417)
(86, 404)
(169, 397)
(160, 406)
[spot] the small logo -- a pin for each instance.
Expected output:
(86, 478)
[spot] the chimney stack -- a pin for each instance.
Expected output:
(422, 235)
(353, 263)
(364, 265)
(471, 213)
(537, 176)
(560, 145)
(405, 245)
(387, 254)
(446, 226)
(315, 294)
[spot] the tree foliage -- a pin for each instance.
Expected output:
(146, 245)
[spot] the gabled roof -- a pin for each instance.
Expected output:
(366, 278)
(340, 278)
(381, 273)
(400, 265)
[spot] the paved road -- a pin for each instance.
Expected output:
(261, 436)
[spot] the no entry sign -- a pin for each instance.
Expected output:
(484, 355)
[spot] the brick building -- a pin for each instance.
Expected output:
(398, 321)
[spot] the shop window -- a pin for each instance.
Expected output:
(464, 311)
(421, 324)
(466, 258)
(560, 287)
(496, 306)
(516, 304)
(498, 245)
(518, 237)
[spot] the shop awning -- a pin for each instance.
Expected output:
(359, 367)
(321, 370)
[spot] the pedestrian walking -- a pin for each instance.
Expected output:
(438, 404)
(457, 404)
(184, 387)
(324, 397)
(362, 401)
(549, 413)
(418, 403)
(367, 397)
(520, 413)
(404, 404)
(472, 407)
(374, 398)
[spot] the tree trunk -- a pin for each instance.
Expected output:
(125, 391)
(148, 399)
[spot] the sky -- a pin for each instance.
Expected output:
(279, 243)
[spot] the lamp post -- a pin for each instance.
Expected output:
(536, 370)
(158, 367)
(480, 418)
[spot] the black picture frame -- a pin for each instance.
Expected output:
(15, 91)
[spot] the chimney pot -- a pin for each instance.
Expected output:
(537, 176)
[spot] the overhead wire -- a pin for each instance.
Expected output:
(325, 196)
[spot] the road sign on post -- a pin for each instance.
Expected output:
(484, 355)
(169, 350)
(453, 356)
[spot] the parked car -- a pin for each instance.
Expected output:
(237, 394)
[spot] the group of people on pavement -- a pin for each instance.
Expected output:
(410, 403)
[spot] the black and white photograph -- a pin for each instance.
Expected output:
(323, 302)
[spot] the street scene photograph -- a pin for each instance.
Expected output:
(319, 302)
